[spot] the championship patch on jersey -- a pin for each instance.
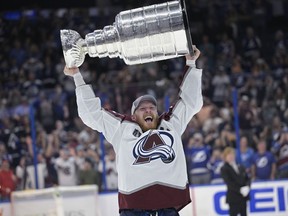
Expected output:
(154, 145)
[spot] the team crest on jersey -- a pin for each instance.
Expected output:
(262, 162)
(199, 157)
(154, 145)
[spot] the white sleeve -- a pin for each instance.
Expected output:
(78, 79)
(93, 115)
(190, 99)
(191, 63)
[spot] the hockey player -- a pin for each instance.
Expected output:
(152, 174)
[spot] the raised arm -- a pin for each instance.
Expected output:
(190, 96)
(89, 107)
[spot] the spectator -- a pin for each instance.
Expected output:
(80, 157)
(244, 155)
(280, 43)
(60, 131)
(251, 44)
(245, 114)
(227, 135)
(226, 111)
(269, 110)
(93, 154)
(237, 182)
(66, 169)
(111, 170)
(226, 46)
(214, 165)
(238, 76)
(32, 86)
(88, 175)
(280, 149)
(246, 118)
(21, 174)
(59, 103)
(87, 136)
(198, 155)
(3, 153)
(276, 126)
(213, 121)
(22, 108)
(8, 181)
(45, 113)
(264, 165)
(51, 154)
(41, 171)
(25, 173)
(220, 84)
(18, 52)
(208, 50)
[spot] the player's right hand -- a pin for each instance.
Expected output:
(71, 71)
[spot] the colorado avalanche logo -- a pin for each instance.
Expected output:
(152, 147)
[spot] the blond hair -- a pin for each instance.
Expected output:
(227, 151)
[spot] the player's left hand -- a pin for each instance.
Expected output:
(195, 56)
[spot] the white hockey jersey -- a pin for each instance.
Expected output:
(151, 166)
(66, 171)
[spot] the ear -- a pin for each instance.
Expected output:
(133, 117)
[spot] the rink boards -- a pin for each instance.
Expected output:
(266, 199)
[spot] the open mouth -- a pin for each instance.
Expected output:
(148, 119)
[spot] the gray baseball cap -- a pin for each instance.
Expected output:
(140, 99)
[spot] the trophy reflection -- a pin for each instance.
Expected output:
(147, 34)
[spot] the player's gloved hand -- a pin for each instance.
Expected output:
(71, 71)
(190, 60)
(245, 190)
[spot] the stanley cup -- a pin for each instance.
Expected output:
(147, 34)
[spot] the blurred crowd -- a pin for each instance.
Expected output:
(244, 47)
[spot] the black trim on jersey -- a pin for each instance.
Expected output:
(167, 115)
(120, 116)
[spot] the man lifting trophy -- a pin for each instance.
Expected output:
(151, 33)
(150, 158)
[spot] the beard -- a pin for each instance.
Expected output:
(145, 126)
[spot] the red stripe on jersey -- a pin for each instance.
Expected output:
(120, 116)
(167, 115)
(155, 197)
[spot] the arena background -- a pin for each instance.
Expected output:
(244, 47)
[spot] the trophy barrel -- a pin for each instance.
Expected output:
(154, 33)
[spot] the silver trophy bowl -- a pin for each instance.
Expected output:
(147, 34)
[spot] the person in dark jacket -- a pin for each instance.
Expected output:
(237, 182)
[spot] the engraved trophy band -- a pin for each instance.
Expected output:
(147, 34)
